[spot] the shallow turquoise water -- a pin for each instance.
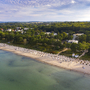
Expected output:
(22, 73)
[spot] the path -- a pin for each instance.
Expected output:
(74, 37)
(85, 51)
(63, 50)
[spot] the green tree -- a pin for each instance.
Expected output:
(25, 41)
(88, 38)
(83, 46)
(68, 45)
(82, 38)
(89, 51)
(74, 47)
(20, 39)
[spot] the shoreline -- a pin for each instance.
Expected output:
(72, 65)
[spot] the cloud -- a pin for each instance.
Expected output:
(72, 1)
(53, 10)
(35, 3)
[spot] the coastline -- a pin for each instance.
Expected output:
(72, 65)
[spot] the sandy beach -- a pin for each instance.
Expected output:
(52, 59)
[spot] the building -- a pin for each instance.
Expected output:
(18, 28)
(50, 33)
(47, 33)
(26, 28)
(22, 31)
(76, 35)
(2, 29)
(67, 33)
(73, 55)
(9, 30)
(55, 34)
(31, 28)
(73, 41)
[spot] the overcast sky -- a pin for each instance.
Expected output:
(44, 10)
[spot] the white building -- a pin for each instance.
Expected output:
(73, 55)
(9, 30)
(18, 28)
(73, 41)
(76, 35)
(55, 34)
(26, 28)
(48, 33)
(31, 28)
(67, 33)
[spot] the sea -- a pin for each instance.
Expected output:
(23, 73)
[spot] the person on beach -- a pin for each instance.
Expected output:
(83, 67)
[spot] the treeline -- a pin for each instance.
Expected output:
(70, 27)
(37, 39)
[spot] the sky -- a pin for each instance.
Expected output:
(44, 10)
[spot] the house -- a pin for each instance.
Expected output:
(13, 30)
(2, 29)
(31, 28)
(47, 33)
(50, 33)
(73, 41)
(22, 31)
(67, 33)
(55, 34)
(26, 28)
(18, 28)
(73, 55)
(9, 30)
(76, 35)
(47, 24)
